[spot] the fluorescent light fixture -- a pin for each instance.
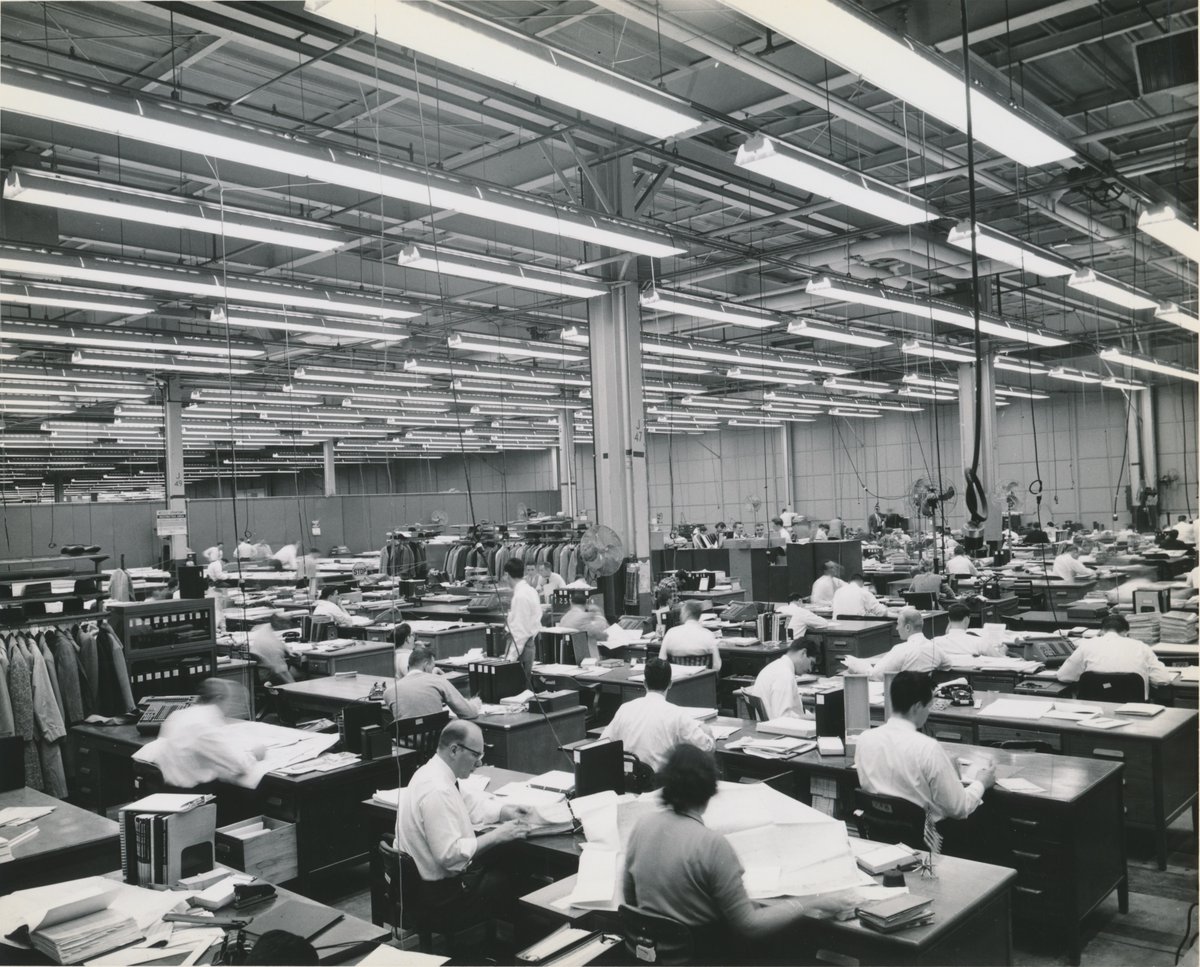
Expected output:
(167, 211)
(715, 404)
(1021, 394)
(756, 376)
(1112, 382)
(486, 370)
(22, 260)
(1170, 312)
(484, 47)
(772, 424)
(947, 354)
(856, 385)
(939, 396)
(993, 244)
(784, 409)
(479, 268)
(306, 416)
(159, 362)
(675, 368)
(726, 313)
(848, 290)
(673, 417)
(576, 335)
(333, 328)
(505, 346)
(1072, 375)
(717, 352)
(185, 127)
(784, 163)
(13, 388)
(497, 384)
(898, 65)
(674, 430)
(52, 333)
(1150, 365)
(830, 333)
(1165, 225)
(358, 377)
(1025, 366)
(856, 414)
(72, 297)
(1110, 290)
(950, 385)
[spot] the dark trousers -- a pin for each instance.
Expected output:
(478, 894)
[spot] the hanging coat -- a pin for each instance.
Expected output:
(66, 663)
(50, 728)
(7, 725)
(20, 691)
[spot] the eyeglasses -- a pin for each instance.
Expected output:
(478, 755)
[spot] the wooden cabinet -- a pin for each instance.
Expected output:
(529, 742)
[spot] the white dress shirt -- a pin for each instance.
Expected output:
(918, 654)
(962, 565)
(651, 726)
(897, 760)
(691, 638)
(326, 608)
(823, 590)
(959, 641)
(286, 556)
(549, 584)
(850, 601)
(1111, 654)
(800, 619)
(215, 571)
(1051, 533)
(1186, 531)
(436, 821)
(1071, 569)
(193, 748)
(524, 616)
(776, 686)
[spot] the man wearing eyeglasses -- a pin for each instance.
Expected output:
(435, 825)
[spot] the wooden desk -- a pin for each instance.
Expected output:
(718, 598)
(447, 638)
(1047, 621)
(1066, 842)
(368, 658)
(327, 696)
(1160, 755)
(317, 802)
(456, 612)
(972, 922)
(70, 843)
(529, 741)
(552, 857)
(614, 687)
(862, 639)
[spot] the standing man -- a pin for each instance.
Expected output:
(837, 527)
(719, 536)
(435, 825)
(651, 726)
(826, 585)
(524, 615)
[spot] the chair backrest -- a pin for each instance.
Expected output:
(1115, 687)
(12, 762)
(921, 600)
(421, 732)
(758, 711)
(321, 627)
(402, 882)
(650, 938)
(639, 777)
(705, 660)
(888, 819)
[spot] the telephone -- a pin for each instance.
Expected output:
(632, 622)
(1050, 651)
(956, 693)
(157, 708)
(740, 611)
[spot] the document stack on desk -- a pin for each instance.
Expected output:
(896, 913)
(1145, 627)
(1179, 626)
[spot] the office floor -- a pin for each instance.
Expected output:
(1146, 936)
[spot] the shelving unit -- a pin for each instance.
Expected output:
(170, 646)
(17, 610)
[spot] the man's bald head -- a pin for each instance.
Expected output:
(460, 732)
(909, 622)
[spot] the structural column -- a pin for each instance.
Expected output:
(789, 468)
(327, 449)
(566, 463)
(987, 429)
(1145, 402)
(174, 480)
(618, 414)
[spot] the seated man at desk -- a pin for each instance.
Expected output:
(897, 759)
(193, 745)
(586, 615)
(435, 825)
(1068, 567)
(915, 653)
(329, 606)
(546, 582)
(958, 641)
(927, 581)
(690, 638)
(1112, 653)
(424, 692)
(800, 619)
(776, 683)
(651, 726)
(854, 600)
(268, 647)
(824, 587)
(961, 564)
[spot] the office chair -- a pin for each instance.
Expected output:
(1115, 687)
(654, 939)
(12, 763)
(754, 705)
(315, 628)
(703, 660)
(420, 733)
(639, 777)
(921, 600)
(888, 819)
(406, 901)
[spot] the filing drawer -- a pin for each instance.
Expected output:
(1030, 828)
(317, 666)
(1034, 860)
(1038, 899)
(495, 746)
(1138, 776)
(1004, 733)
(951, 732)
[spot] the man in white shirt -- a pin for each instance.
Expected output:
(435, 825)
(268, 647)
(285, 557)
(915, 653)
(1185, 530)
(822, 533)
(783, 533)
(547, 582)
(896, 759)
(776, 683)
(837, 527)
(800, 619)
(1112, 654)
(1051, 532)
(215, 571)
(958, 641)
(329, 606)
(826, 585)
(961, 564)
(1067, 566)
(195, 745)
(787, 518)
(855, 599)
(689, 637)
(651, 726)
(524, 615)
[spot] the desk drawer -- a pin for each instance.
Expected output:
(1039, 898)
(317, 666)
(1138, 775)
(951, 732)
(495, 745)
(1004, 733)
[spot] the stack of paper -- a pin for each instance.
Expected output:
(20, 815)
(1145, 627)
(1014, 708)
(790, 725)
(79, 939)
(1141, 709)
(896, 913)
(876, 858)
(795, 859)
(785, 748)
(1178, 627)
(599, 884)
